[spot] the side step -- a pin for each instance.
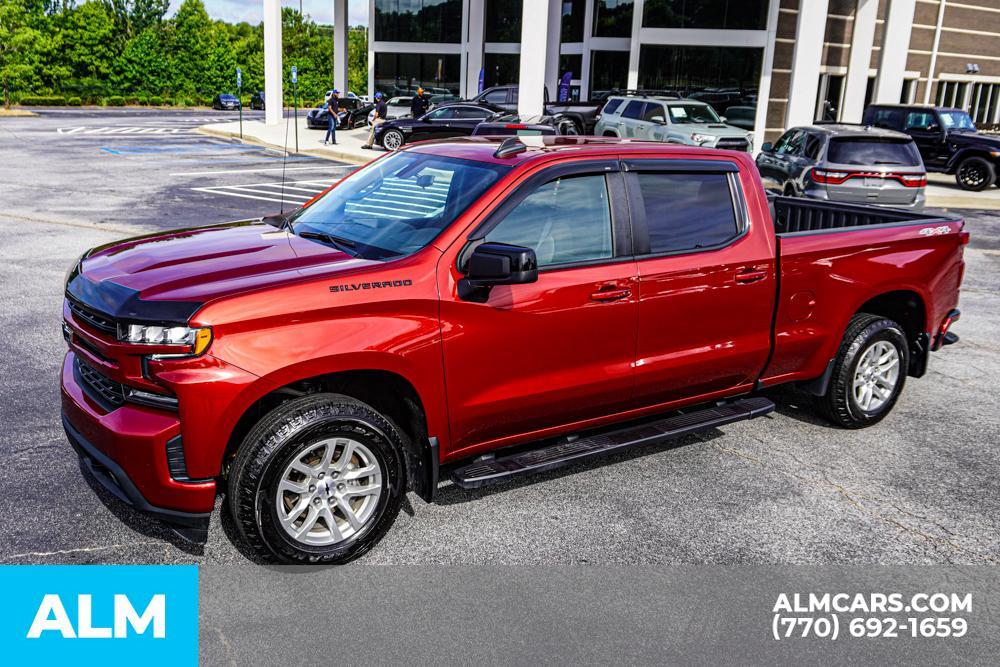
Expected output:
(562, 453)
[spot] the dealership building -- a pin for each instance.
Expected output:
(791, 61)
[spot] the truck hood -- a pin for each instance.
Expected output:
(715, 129)
(137, 277)
(974, 139)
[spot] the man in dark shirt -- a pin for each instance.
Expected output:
(331, 117)
(381, 111)
(418, 106)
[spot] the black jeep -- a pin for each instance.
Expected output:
(947, 139)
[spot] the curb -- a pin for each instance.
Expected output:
(325, 153)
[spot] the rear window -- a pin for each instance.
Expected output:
(612, 105)
(873, 152)
(687, 211)
(634, 109)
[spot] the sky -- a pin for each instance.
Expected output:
(250, 11)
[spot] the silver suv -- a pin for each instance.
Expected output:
(845, 163)
(671, 120)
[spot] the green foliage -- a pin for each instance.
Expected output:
(94, 49)
(43, 100)
(168, 102)
(74, 102)
(155, 101)
(115, 101)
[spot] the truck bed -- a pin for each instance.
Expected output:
(794, 215)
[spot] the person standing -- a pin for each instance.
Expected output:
(381, 111)
(331, 117)
(418, 105)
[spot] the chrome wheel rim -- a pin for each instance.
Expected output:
(876, 375)
(392, 140)
(329, 492)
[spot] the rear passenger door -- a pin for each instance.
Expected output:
(632, 118)
(706, 280)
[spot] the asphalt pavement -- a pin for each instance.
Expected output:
(920, 487)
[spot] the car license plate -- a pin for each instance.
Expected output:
(873, 182)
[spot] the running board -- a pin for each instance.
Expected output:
(562, 453)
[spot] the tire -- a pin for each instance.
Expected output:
(393, 140)
(270, 499)
(868, 338)
(609, 133)
(975, 174)
(789, 190)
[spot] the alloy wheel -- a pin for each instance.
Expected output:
(876, 376)
(392, 140)
(972, 175)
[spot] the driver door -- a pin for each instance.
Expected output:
(925, 128)
(538, 358)
(434, 125)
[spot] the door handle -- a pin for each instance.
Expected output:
(750, 276)
(611, 294)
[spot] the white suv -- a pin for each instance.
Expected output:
(671, 120)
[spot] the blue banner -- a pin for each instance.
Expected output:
(99, 614)
(482, 77)
(564, 86)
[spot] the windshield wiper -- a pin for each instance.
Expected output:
(342, 244)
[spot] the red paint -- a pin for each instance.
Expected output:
(535, 360)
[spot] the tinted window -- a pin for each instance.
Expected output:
(887, 118)
(418, 20)
(873, 152)
(705, 14)
(441, 114)
(920, 120)
(687, 211)
(472, 112)
(790, 143)
(653, 110)
(565, 220)
(612, 18)
(612, 105)
(812, 146)
(633, 109)
(496, 96)
(398, 204)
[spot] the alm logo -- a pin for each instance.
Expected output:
(52, 617)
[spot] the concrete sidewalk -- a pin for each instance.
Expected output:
(942, 191)
(347, 149)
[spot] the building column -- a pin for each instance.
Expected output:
(634, 46)
(534, 44)
(340, 46)
(474, 46)
(766, 72)
(895, 49)
(806, 58)
(932, 68)
(273, 100)
(862, 39)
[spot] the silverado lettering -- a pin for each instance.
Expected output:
(351, 287)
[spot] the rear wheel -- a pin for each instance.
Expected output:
(392, 140)
(869, 372)
(319, 480)
(975, 173)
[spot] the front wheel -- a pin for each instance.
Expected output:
(975, 174)
(392, 140)
(869, 372)
(319, 480)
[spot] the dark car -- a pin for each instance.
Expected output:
(583, 113)
(845, 163)
(947, 139)
(512, 125)
(226, 102)
(742, 117)
(352, 112)
(257, 100)
(458, 119)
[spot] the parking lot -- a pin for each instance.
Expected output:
(920, 487)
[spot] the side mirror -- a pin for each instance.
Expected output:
(767, 147)
(659, 120)
(722, 119)
(494, 264)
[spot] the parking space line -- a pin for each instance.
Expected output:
(287, 195)
(236, 194)
(250, 171)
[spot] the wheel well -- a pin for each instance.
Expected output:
(907, 309)
(609, 133)
(389, 393)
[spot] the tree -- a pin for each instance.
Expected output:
(134, 16)
(25, 41)
(88, 40)
(192, 47)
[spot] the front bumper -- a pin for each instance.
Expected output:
(126, 450)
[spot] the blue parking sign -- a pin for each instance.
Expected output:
(239, 78)
(295, 74)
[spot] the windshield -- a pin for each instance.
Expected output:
(396, 205)
(692, 113)
(872, 152)
(957, 120)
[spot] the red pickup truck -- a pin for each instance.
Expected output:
(490, 308)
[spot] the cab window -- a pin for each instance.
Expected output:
(564, 221)
(687, 212)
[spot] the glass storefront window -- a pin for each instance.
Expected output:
(608, 73)
(612, 18)
(402, 73)
(503, 20)
(418, 20)
(501, 69)
(720, 76)
(572, 63)
(705, 14)
(572, 20)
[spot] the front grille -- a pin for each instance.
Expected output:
(104, 390)
(96, 319)
(733, 144)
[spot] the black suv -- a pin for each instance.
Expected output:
(947, 140)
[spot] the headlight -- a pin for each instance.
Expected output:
(701, 138)
(197, 339)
